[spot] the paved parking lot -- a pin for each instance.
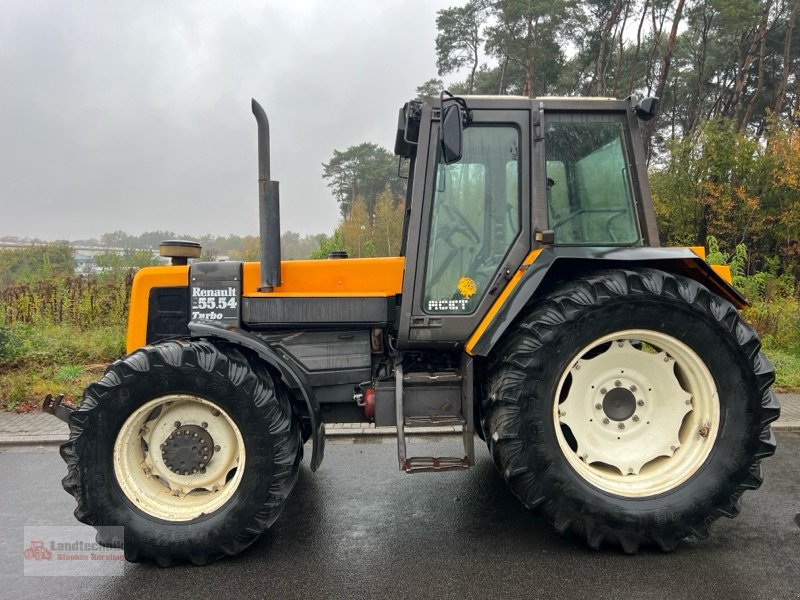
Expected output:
(358, 528)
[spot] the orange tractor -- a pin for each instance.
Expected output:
(618, 389)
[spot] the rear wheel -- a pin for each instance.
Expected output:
(191, 447)
(631, 406)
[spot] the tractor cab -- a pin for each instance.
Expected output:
(498, 179)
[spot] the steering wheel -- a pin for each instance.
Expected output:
(462, 224)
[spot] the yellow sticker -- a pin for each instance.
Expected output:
(467, 287)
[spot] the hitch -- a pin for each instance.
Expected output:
(57, 407)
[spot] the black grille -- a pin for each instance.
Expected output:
(167, 313)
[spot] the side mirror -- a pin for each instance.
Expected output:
(646, 108)
(452, 132)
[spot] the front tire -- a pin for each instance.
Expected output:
(190, 446)
(631, 407)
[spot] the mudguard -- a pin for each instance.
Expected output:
(291, 376)
(553, 264)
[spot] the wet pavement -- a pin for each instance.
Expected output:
(358, 528)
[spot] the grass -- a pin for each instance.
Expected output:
(787, 368)
(22, 389)
(53, 359)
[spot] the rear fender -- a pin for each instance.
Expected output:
(291, 376)
(557, 264)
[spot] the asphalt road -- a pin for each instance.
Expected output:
(358, 528)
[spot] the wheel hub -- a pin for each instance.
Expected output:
(187, 450)
(619, 404)
(625, 406)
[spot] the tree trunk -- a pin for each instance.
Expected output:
(787, 59)
(476, 42)
(744, 68)
(762, 57)
(635, 61)
(696, 103)
(600, 62)
(529, 67)
(502, 89)
(621, 50)
(666, 62)
(658, 28)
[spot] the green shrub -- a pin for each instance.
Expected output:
(47, 345)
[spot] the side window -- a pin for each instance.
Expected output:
(589, 198)
(475, 218)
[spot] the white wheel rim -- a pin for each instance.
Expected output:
(142, 472)
(642, 410)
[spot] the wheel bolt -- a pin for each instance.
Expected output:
(202, 470)
(633, 388)
(177, 424)
(598, 406)
(577, 367)
(640, 402)
(636, 418)
(605, 421)
(689, 401)
(204, 424)
(603, 391)
(630, 471)
(617, 383)
(217, 448)
(621, 425)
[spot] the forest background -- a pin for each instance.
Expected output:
(723, 155)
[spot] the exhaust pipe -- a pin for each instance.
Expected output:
(269, 217)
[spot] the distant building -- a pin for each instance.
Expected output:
(83, 262)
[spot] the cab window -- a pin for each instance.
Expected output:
(589, 197)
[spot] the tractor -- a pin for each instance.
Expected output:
(619, 391)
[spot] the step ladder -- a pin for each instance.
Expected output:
(418, 464)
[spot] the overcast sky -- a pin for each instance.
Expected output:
(136, 115)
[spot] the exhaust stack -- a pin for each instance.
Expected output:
(269, 217)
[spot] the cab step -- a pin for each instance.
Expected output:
(419, 464)
(434, 421)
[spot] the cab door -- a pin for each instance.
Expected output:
(471, 231)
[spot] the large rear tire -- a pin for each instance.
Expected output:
(630, 407)
(190, 446)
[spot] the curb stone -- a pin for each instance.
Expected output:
(41, 429)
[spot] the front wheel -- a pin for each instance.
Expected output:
(192, 448)
(631, 406)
